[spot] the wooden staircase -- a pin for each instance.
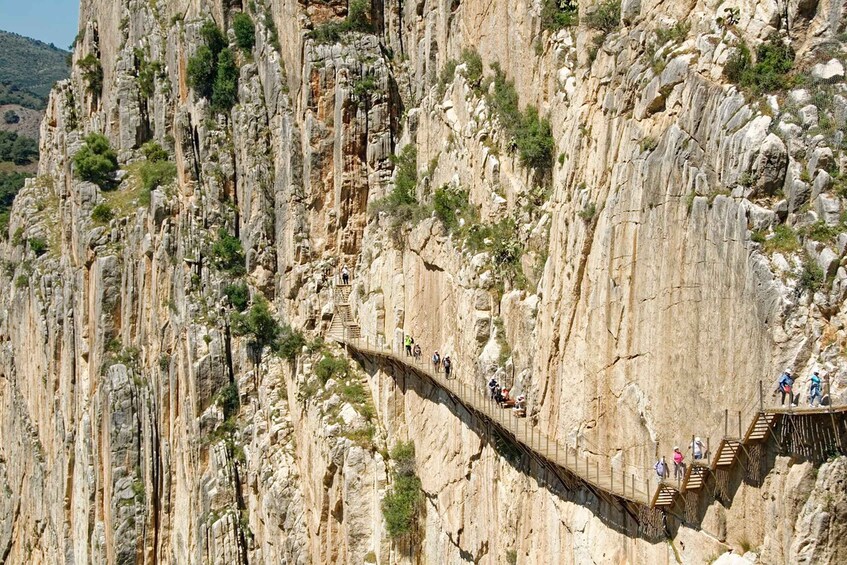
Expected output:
(726, 453)
(695, 476)
(759, 427)
(343, 324)
(664, 495)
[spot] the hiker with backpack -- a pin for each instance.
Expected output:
(448, 366)
(407, 342)
(436, 361)
(784, 386)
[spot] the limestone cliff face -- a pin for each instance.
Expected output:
(684, 242)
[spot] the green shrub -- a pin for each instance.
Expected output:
(473, 66)
(11, 117)
(358, 16)
(227, 254)
(402, 503)
(92, 74)
(96, 161)
(245, 31)
(212, 37)
(225, 88)
(446, 76)
(405, 183)
(102, 213)
(820, 231)
(531, 134)
(784, 240)
(258, 323)
(153, 174)
(811, 277)
(212, 72)
(606, 18)
(201, 71)
(270, 25)
(587, 214)
(290, 343)
(152, 151)
(534, 139)
(770, 73)
(677, 33)
(556, 14)
(451, 205)
(21, 281)
(238, 295)
(227, 399)
(38, 246)
(501, 241)
(331, 367)
(363, 86)
(358, 20)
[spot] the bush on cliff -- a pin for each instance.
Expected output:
(96, 162)
(770, 73)
(92, 74)
(212, 72)
(358, 19)
(245, 31)
(531, 134)
(402, 503)
(227, 254)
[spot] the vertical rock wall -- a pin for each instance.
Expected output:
(651, 300)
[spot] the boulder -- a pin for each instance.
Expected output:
(809, 115)
(830, 71)
(769, 167)
(828, 209)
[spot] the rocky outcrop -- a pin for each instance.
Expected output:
(679, 240)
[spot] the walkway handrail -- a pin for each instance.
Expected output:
(618, 483)
(628, 483)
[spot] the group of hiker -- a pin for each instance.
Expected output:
(502, 396)
(698, 449)
(499, 394)
(414, 350)
(785, 387)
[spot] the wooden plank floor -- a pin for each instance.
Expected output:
(521, 429)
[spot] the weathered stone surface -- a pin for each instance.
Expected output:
(636, 266)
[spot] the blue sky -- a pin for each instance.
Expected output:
(51, 21)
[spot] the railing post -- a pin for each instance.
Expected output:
(761, 398)
(632, 485)
(725, 422)
(739, 425)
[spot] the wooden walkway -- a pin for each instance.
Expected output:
(605, 480)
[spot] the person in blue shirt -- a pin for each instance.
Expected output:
(815, 389)
(784, 387)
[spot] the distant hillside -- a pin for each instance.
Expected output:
(28, 70)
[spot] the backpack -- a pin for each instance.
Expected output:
(436, 358)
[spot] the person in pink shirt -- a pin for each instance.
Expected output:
(678, 465)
